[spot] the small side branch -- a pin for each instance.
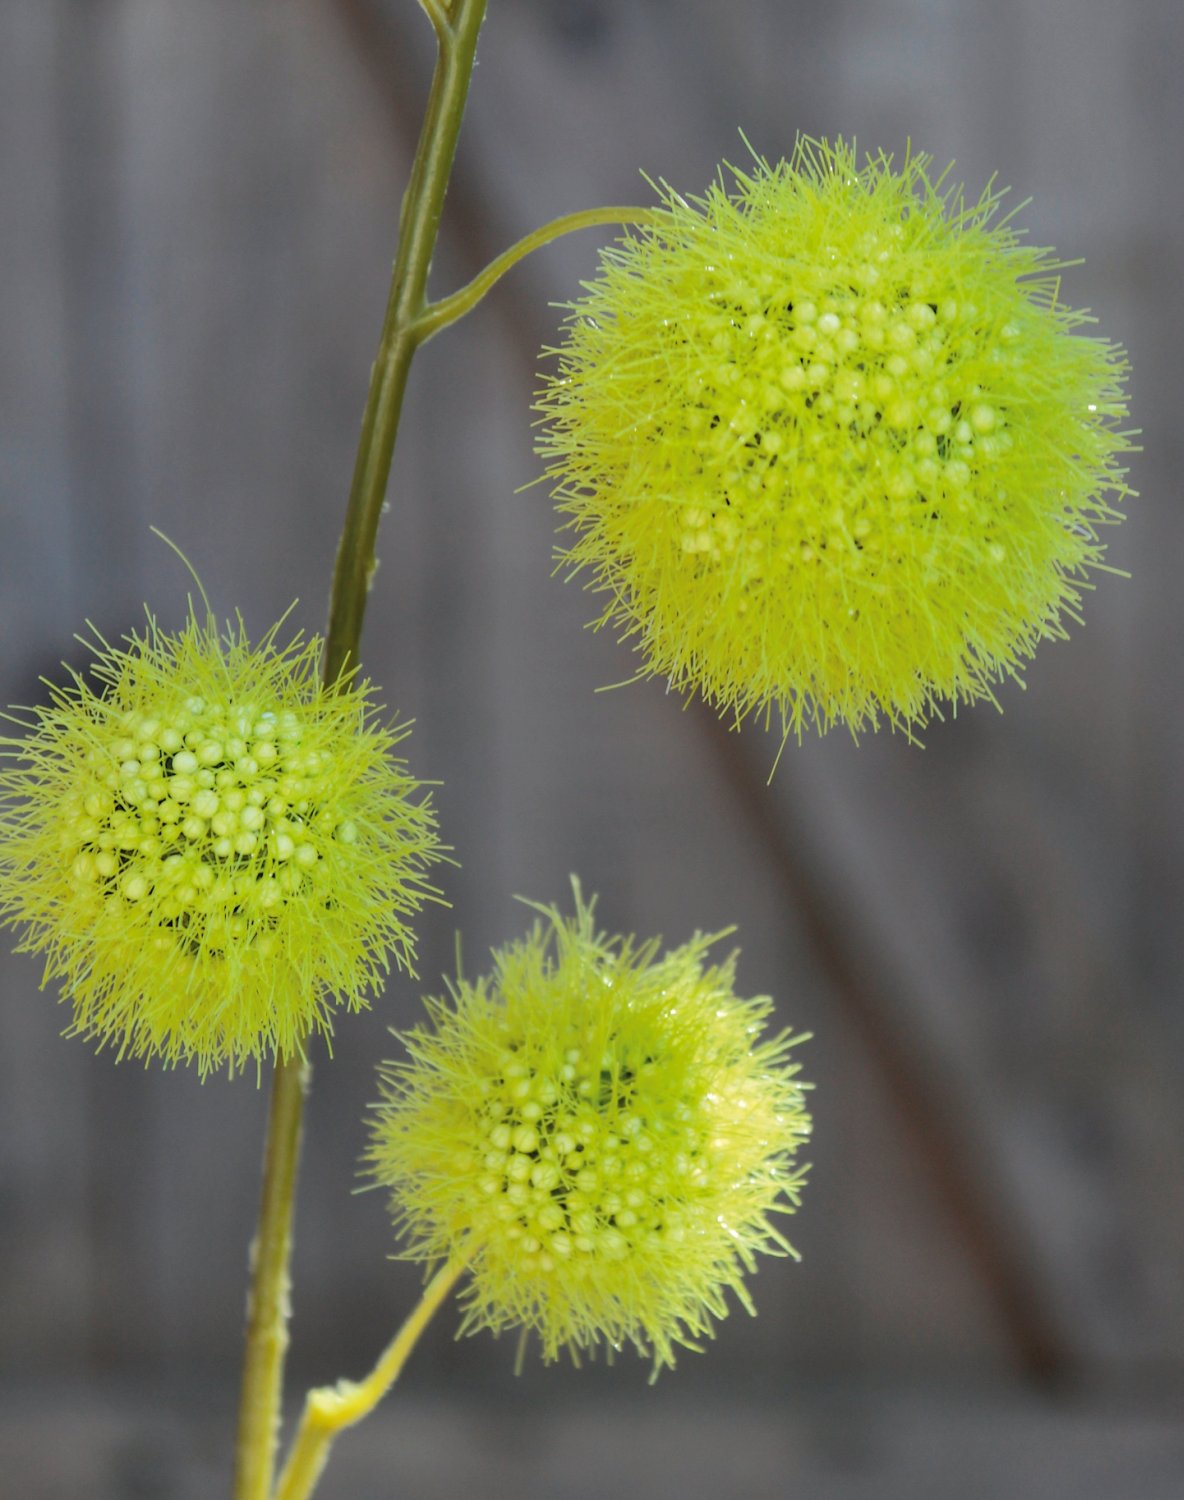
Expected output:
(330, 1408)
(447, 310)
(437, 13)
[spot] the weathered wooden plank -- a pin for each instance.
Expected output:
(200, 228)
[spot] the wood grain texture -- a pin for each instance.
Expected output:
(850, 1444)
(200, 206)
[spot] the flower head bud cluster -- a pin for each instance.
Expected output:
(601, 1131)
(831, 442)
(211, 850)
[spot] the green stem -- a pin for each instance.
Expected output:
(437, 13)
(333, 1407)
(456, 29)
(447, 310)
(456, 23)
(267, 1306)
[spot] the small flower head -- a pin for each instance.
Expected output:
(601, 1131)
(831, 442)
(210, 849)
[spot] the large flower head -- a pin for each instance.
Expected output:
(832, 443)
(601, 1131)
(211, 850)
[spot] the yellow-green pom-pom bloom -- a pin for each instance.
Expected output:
(602, 1132)
(211, 850)
(832, 443)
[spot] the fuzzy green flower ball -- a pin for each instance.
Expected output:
(211, 851)
(831, 442)
(602, 1133)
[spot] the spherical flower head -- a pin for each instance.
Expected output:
(211, 850)
(831, 442)
(601, 1132)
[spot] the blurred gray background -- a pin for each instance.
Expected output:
(197, 215)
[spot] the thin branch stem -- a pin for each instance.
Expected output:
(437, 14)
(268, 1302)
(420, 222)
(329, 1409)
(447, 310)
(456, 26)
